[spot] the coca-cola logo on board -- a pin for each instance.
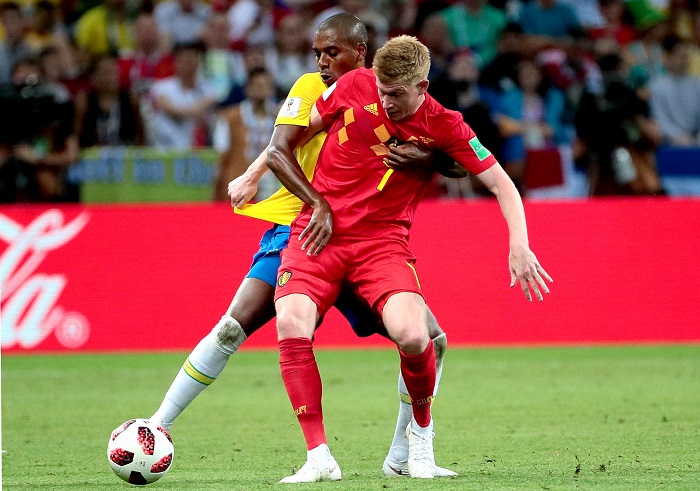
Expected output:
(29, 298)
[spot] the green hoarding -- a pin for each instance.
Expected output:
(131, 174)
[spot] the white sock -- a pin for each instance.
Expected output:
(416, 429)
(201, 368)
(399, 445)
(320, 454)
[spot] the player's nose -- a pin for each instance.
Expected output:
(322, 61)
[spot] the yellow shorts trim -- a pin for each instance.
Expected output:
(415, 273)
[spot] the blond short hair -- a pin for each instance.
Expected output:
(402, 60)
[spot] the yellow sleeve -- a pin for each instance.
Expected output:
(282, 207)
(296, 109)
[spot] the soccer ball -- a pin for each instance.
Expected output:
(140, 451)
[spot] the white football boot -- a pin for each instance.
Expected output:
(421, 460)
(400, 469)
(320, 466)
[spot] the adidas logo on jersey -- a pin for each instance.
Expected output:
(372, 108)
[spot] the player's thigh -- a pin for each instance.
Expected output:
(317, 277)
(253, 305)
(381, 269)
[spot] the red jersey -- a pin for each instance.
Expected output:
(366, 197)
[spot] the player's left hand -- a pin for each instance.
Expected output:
(408, 156)
(526, 270)
(319, 230)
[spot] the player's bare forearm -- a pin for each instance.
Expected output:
(512, 208)
(283, 163)
(285, 166)
(524, 266)
(243, 188)
(410, 156)
(257, 168)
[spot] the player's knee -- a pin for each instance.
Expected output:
(229, 333)
(412, 342)
(291, 326)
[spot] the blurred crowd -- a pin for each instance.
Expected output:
(574, 94)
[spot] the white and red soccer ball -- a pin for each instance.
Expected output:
(140, 451)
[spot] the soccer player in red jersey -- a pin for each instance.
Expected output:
(340, 46)
(354, 230)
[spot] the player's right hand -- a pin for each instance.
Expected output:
(241, 190)
(319, 230)
(526, 270)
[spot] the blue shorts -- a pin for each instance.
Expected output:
(267, 261)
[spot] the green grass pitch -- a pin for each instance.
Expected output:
(602, 418)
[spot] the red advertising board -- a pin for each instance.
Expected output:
(158, 277)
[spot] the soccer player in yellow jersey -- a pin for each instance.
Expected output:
(340, 46)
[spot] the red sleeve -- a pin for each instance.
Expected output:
(461, 143)
(331, 102)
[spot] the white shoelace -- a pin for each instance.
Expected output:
(423, 447)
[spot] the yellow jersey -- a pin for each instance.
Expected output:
(283, 207)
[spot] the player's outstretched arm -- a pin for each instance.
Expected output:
(524, 266)
(283, 163)
(243, 188)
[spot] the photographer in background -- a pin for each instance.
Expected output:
(37, 144)
(617, 137)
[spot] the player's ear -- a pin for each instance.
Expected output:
(361, 51)
(423, 86)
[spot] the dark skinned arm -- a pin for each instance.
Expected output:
(283, 163)
(407, 156)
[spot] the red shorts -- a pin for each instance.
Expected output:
(374, 268)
